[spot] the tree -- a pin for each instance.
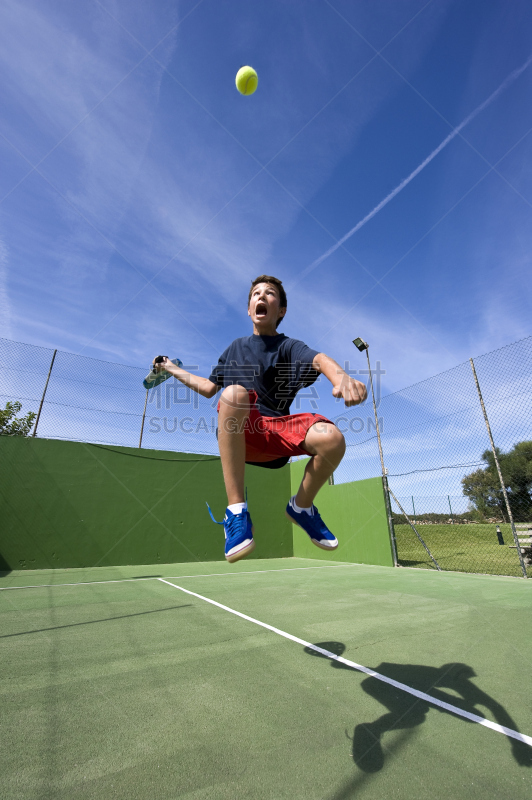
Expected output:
(10, 425)
(483, 487)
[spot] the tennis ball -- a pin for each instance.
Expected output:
(246, 80)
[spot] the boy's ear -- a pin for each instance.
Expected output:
(282, 311)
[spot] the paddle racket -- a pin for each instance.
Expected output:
(154, 378)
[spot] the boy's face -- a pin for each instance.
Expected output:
(265, 308)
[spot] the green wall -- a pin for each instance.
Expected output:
(70, 504)
(356, 514)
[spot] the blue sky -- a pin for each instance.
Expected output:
(140, 193)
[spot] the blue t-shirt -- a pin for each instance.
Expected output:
(275, 367)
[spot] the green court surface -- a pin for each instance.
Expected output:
(117, 684)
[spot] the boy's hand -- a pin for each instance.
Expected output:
(159, 363)
(353, 392)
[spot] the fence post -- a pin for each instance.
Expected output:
(143, 417)
(503, 487)
(450, 508)
(44, 393)
(384, 470)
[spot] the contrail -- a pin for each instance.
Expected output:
(510, 79)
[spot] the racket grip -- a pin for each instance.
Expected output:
(158, 360)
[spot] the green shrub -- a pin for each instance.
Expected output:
(10, 425)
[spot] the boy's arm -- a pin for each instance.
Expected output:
(353, 392)
(202, 386)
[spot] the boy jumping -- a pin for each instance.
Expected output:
(261, 375)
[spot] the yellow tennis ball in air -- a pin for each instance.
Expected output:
(246, 80)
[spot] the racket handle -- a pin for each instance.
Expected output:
(154, 378)
(157, 360)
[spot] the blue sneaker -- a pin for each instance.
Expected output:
(314, 526)
(238, 529)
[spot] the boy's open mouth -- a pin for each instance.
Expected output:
(261, 309)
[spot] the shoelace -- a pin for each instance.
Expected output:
(230, 524)
(233, 526)
(212, 515)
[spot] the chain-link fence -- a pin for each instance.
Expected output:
(448, 507)
(447, 500)
(96, 401)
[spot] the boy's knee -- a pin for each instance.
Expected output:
(327, 436)
(235, 397)
(337, 439)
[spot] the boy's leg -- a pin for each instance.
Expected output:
(327, 446)
(234, 411)
(232, 416)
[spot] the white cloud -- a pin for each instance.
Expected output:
(150, 182)
(56, 76)
(405, 347)
(178, 190)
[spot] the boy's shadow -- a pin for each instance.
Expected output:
(406, 712)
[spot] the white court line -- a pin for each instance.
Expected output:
(181, 577)
(521, 737)
(81, 583)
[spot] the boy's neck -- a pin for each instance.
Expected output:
(266, 330)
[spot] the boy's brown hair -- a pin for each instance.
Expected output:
(274, 282)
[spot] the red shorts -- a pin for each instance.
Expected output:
(271, 438)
